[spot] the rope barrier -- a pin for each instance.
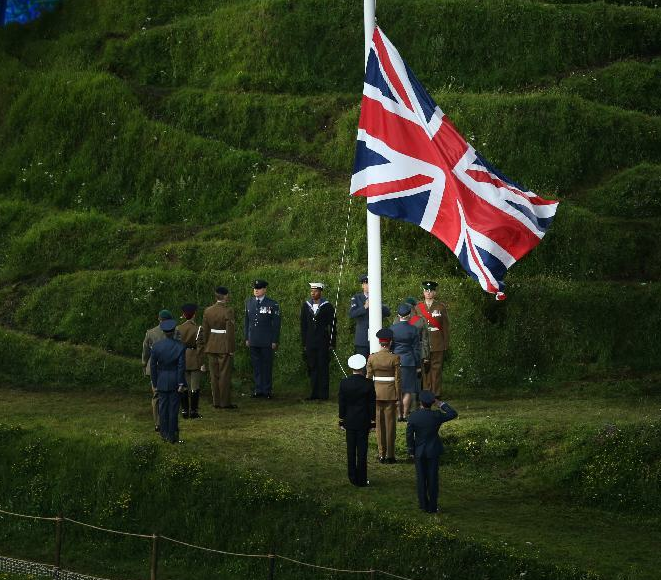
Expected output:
(107, 529)
(27, 516)
(212, 550)
(391, 575)
(323, 567)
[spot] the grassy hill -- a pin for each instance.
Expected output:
(153, 151)
(150, 151)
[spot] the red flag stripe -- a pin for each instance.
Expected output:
(384, 57)
(394, 186)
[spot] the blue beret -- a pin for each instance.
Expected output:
(427, 397)
(168, 325)
(404, 309)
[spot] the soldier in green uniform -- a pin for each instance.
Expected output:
(152, 336)
(383, 368)
(190, 333)
(435, 314)
(218, 340)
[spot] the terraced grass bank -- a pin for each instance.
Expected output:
(151, 152)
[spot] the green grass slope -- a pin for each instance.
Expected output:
(153, 151)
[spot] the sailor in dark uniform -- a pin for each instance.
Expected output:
(317, 338)
(168, 378)
(359, 311)
(261, 329)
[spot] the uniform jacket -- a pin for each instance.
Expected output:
(357, 403)
(421, 324)
(406, 343)
(422, 437)
(218, 329)
(190, 334)
(261, 324)
(152, 336)
(438, 339)
(385, 364)
(360, 314)
(168, 364)
(318, 330)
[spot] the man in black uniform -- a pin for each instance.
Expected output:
(357, 409)
(317, 338)
(261, 329)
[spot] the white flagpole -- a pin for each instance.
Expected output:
(373, 221)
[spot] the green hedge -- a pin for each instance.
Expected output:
(27, 361)
(313, 46)
(99, 151)
(70, 241)
(629, 84)
(273, 123)
(633, 193)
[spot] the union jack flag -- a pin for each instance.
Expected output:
(412, 165)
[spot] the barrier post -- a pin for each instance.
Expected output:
(271, 566)
(58, 539)
(154, 557)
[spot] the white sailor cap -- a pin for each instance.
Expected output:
(357, 362)
(319, 285)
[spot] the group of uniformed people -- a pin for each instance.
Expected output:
(173, 357)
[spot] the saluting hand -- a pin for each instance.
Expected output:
(367, 303)
(247, 343)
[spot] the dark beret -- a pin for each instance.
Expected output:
(404, 309)
(427, 397)
(168, 325)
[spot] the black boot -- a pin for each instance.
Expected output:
(194, 405)
(185, 407)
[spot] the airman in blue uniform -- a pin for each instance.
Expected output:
(261, 329)
(406, 343)
(359, 311)
(168, 378)
(425, 445)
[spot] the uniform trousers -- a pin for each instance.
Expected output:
(357, 456)
(154, 408)
(220, 375)
(426, 471)
(261, 358)
(168, 411)
(386, 427)
(193, 380)
(432, 378)
(318, 359)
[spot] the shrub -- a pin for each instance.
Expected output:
(633, 193)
